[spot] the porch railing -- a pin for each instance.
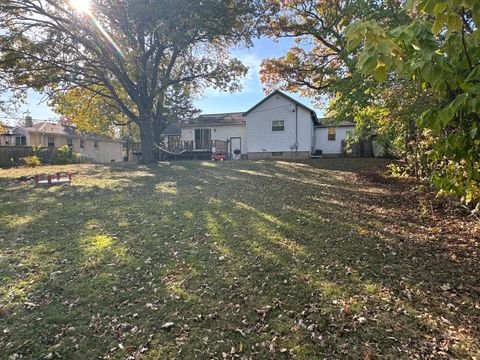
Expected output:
(189, 146)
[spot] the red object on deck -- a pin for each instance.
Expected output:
(49, 179)
(70, 176)
(58, 176)
(37, 179)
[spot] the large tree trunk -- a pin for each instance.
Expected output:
(157, 132)
(146, 138)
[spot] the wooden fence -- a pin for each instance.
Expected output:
(12, 155)
(362, 149)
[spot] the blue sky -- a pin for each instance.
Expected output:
(212, 101)
(252, 92)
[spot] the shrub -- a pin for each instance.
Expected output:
(397, 171)
(37, 150)
(31, 161)
(75, 158)
(63, 154)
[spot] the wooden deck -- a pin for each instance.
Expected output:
(187, 149)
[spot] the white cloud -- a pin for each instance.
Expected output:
(250, 83)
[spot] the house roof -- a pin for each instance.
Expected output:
(52, 128)
(236, 118)
(278, 92)
(172, 129)
(332, 122)
(10, 131)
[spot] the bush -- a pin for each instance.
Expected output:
(76, 158)
(37, 150)
(31, 161)
(397, 171)
(63, 154)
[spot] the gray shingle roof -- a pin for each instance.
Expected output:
(332, 122)
(172, 129)
(236, 118)
(10, 130)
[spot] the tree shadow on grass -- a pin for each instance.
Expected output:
(238, 255)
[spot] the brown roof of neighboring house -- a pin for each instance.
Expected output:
(236, 118)
(52, 128)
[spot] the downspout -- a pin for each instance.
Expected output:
(296, 127)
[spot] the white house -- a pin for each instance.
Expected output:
(330, 135)
(277, 127)
(213, 129)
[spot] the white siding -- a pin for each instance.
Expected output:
(106, 152)
(330, 146)
(261, 138)
(221, 132)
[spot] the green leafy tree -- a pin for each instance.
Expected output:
(440, 51)
(320, 65)
(128, 52)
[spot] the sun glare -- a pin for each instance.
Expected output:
(81, 5)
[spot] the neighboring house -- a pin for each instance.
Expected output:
(276, 127)
(91, 147)
(12, 136)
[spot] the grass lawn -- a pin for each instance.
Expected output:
(248, 260)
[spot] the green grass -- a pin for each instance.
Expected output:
(255, 260)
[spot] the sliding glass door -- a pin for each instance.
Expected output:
(203, 138)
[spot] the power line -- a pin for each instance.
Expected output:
(6, 119)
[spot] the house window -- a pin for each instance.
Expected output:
(332, 134)
(20, 141)
(95, 144)
(70, 143)
(82, 143)
(51, 141)
(278, 125)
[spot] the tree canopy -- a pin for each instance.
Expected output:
(130, 53)
(440, 51)
(320, 64)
